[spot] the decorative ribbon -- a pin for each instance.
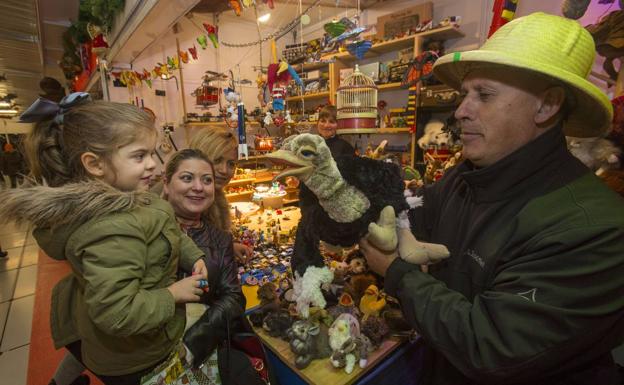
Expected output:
(43, 109)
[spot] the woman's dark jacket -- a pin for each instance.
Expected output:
(225, 297)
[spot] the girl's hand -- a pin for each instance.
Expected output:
(186, 289)
(242, 253)
(199, 268)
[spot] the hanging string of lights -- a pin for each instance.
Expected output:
(277, 34)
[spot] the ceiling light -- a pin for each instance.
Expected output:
(8, 112)
(4, 104)
(265, 17)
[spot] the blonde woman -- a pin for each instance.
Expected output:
(221, 147)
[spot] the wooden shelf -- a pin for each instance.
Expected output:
(390, 86)
(310, 66)
(234, 195)
(289, 201)
(235, 182)
(318, 95)
(354, 131)
(444, 33)
(216, 124)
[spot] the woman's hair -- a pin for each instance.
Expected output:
(53, 150)
(328, 113)
(173, 164)
(214, 143)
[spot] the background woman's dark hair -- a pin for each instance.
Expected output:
(328, 113)
(53, 151)
(173, 164)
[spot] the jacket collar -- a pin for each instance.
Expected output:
(545, 164)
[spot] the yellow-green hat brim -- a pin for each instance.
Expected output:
(591, 114)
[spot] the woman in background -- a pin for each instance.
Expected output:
(221, 148)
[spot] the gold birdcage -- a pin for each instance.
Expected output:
(356, 100)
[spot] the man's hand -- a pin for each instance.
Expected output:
(378, 261)
(199, 268)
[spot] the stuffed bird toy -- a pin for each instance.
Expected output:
(341, 200)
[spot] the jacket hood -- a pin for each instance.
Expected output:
(56, 212)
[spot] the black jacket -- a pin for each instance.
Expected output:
(339, 146)
(225, 298)
(532, 291)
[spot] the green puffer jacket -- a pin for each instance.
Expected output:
(533, 292)
(124, 250)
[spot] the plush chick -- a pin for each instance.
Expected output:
(371, 302)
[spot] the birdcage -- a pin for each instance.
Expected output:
(357, 101)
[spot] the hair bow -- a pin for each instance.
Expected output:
(43, 109)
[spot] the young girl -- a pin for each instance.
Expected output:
(118, 312)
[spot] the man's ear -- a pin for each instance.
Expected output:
(93, 163)
(550, 105)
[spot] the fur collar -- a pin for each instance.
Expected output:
(74, 203)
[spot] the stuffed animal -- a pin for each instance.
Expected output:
(435, 135)
(308, 341)
(598, 154)
(372, 302)
(346, 343)
(277, 323)
(340, 201)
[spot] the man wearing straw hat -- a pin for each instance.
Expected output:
(533, 290)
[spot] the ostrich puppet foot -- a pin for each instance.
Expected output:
(387, 232)
(307, 289)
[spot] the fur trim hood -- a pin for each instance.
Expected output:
(74, 203)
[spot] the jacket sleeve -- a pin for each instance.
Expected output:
(558, 303)
(114, 261)
(189, 253)
(226, 305)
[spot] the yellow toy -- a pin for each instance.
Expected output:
(372, 302)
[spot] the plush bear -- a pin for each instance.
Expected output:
(435, 135)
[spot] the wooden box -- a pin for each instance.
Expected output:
(397, 23)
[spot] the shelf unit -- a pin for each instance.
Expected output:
(344, 59)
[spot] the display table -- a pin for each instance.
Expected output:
(393, 361)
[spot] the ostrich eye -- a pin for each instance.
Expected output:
(307, 153)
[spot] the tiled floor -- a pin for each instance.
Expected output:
(18, 276)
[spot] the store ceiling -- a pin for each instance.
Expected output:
(23, 60)
(212, 6)
(20, 57)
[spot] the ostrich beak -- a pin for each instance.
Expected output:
(295, 166)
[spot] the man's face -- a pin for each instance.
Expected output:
(497, 114)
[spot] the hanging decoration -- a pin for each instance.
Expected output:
(335, 28)
(203, 41)
(212, 34)
(504, 12)
(235, 5)
(359, 48)
(184, 56)
(193, 52)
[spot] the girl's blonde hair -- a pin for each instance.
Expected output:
(214, 143)
(53, 150)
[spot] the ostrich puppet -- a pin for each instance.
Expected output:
(340, 201)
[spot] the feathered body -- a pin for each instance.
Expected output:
(379, 181)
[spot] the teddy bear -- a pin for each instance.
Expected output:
(435, 135)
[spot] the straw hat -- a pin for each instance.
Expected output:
(549, 45)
